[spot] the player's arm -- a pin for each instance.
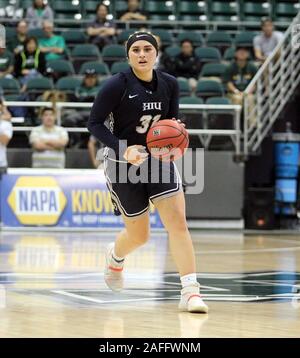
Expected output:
(106, 101)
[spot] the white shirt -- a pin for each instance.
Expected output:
(5, 129)
(54, 158)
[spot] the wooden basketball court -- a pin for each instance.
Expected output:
(51, 285)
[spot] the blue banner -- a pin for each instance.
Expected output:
(74, 201)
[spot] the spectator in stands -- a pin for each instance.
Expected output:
(95, 149)
(48, 141)
(133, 12)
(89, 87)
(101, 31)
(6, 63)
(17, 43)
(30, 63)
(52, 45)
(6, 132)
(187, 64)
(265, 43)
(163, 61)
(238, 75)
(38, 12)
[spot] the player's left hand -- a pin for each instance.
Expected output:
(178, 120)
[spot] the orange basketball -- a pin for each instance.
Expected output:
(167, 140)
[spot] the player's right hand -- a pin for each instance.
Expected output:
(136, 154)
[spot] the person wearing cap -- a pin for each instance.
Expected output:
(238, 75)
(89, 87)
(133, 100)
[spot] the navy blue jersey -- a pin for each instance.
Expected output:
(132, 107)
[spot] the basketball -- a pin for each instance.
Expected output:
(167, 140)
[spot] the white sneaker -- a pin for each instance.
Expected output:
(113, 272)
(191, 300)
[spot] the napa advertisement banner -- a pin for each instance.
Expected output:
(59, 201)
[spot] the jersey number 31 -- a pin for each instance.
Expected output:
(145, 122)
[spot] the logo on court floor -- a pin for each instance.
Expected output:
(231, 287)
(37, 200)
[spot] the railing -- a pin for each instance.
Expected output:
(204, 134)
(270, 89)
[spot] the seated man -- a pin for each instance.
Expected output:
(238, 75)
(101, 31)
(52, 45)
(265, 43)
(187, 64)
(133, 12)
(48, 142)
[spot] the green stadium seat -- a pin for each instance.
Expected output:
(219, 39)
(225, 11)
(37, 33)
(37, 86)
(25, 4)
(83, 53)
(123, 36)
(213, 70)
(68, 84)
(172, 51)
(229, 54)
(163, 9)
(74, 37)
(119, 67)
(99, 67)
(184, 87)
(245, 38)
(61, 67)
(191, 100)
(113, 53)
(195, 37)
(218, 100)
(193, 8)
(9, 85)
(284, 11)
(208, 54)
(253, 11)
(164, 35)
(66, 6)
(120, 7)
(10, 33)
(208, 88)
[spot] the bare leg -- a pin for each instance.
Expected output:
(135, 234)
(172, 214)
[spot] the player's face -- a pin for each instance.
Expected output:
(142, 56)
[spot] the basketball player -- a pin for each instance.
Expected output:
(134, 100)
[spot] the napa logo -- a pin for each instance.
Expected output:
(37, 200)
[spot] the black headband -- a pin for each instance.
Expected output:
(145, 36)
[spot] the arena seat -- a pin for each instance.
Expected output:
(99, 67)
(195, 37)
(119, 67)
(184, 87)
(9, 85)
(209, 88)
(208, 54)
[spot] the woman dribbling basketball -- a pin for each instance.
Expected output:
(134, 100)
